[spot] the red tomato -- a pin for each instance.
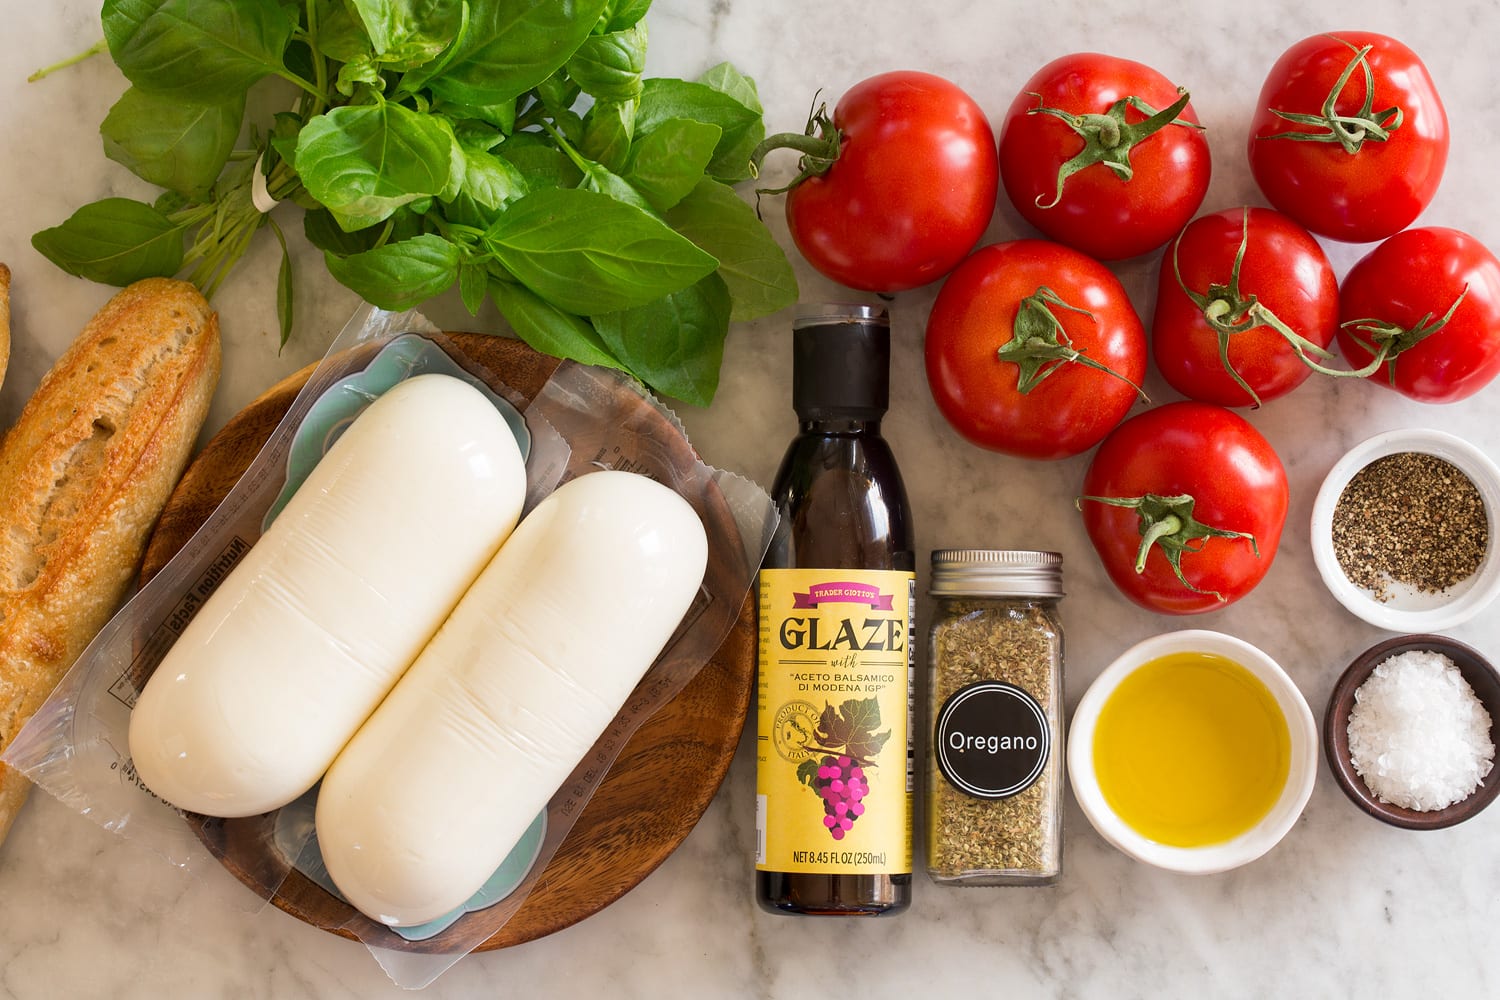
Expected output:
(904, 188)
(1427, 303)
(1015, 369)
(1251, 285)
(1357, 183)
(1203, 470)
(1100, 185)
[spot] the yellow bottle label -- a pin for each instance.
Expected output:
(834, 764)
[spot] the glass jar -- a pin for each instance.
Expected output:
(995, 755)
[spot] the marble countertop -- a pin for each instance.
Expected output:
(1344, 906)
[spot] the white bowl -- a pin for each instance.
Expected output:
(1212, 858)
(1408, 610)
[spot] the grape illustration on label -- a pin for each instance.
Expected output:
(848, 743)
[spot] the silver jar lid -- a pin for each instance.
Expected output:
(1005, 572)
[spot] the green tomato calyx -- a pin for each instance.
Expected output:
(1107, 139)
(1169, 523)
(1228, 311)
(1039, 345)
(1387, 340)
(820, 143)
(1349, 131)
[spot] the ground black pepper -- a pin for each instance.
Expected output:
(1409, 518)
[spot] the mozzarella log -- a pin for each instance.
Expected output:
(322, 616)
(437, 787)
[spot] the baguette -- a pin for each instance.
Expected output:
(84, 474)
(4, 320)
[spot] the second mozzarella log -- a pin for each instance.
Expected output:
(434, 790)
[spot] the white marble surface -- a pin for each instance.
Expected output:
(1344, 906)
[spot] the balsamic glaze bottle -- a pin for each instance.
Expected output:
(834, 771)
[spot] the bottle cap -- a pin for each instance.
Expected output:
(841, 361)
(997, 572)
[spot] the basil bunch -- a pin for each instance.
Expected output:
(509, 146)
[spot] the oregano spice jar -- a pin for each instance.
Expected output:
(995, 754)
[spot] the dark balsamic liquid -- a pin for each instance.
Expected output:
(842, 506)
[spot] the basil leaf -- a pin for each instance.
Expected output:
(608, 67)
(341, 35)
(175, 144)
(587, 253)
(415, 31)
(196, 50)
(360, 69)
(741, 127)
(114, 241)
(542, 165)
(602, 180)
(490, 181)
(323, 232)
(549, 329)
(472, 282)
(404, 224)
(285, 128)
(727, 80)
(624, 13)
(285, 299)
(751, 262)
(675, 344)
(489, 184)
(509, 48)
(668, 162)
(607, 130)
(558, 94)
(297, 59)
(363, 162)
(399, 275)
(502, 116)
(477, 134)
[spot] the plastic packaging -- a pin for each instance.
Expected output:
(581, 420)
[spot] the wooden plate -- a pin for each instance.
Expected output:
(652, 796)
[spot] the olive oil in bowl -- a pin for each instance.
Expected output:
(1191, 749)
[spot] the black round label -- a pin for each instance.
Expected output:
(991, 740)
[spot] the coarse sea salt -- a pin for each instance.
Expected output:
(1418, 735)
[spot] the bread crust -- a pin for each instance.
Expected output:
(84, 474)
(4, 320)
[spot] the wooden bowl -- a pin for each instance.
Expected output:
(1481, 677)
(653, 794)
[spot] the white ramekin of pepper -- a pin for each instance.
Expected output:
(1404, 529)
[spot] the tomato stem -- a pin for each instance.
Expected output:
(1107, 139)
(819, 143)
(1349, 131)
(1167, 526)
(1387, 340)
(1228, 311)
(1168, 522)
(1039, 345)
